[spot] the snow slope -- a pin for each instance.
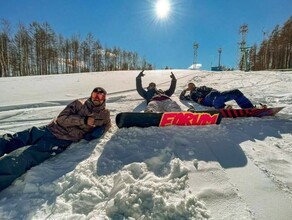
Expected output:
(240, 169)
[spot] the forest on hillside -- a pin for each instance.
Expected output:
(37, 50)
(275, 51)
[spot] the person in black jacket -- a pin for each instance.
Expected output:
(157, 99)
(208, 96)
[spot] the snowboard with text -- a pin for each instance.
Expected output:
(141, 119)
(205, 117)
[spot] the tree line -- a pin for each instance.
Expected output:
(37, 50)
(275, 51)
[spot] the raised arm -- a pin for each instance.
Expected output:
(139, 88)
(172, 87)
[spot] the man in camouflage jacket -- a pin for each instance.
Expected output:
(82, 119)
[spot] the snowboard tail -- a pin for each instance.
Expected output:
(252, 112)
(249, 112)
(140, 119)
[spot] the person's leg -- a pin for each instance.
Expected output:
(219, 102)
(95, 133)
(215, 99)
(170, 106)
(11, 142)
(16, 163)
(152, 106)
(238, 97)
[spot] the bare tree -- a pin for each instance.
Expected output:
(5, 49)
(97, 56)
(23, 44)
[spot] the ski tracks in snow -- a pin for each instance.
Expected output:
(275, 141)
(266, 193)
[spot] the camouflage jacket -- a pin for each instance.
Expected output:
(70, 123)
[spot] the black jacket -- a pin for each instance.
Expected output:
(200, 92)
(149, 93)
(196, 93)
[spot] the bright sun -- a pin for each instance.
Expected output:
(162, 8)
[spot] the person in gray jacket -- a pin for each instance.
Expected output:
(82, 119)
(157, 99)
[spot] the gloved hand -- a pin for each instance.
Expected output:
(172, 76)
(141, 74)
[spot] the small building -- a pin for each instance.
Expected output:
(217, 68)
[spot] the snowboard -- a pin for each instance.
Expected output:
(141, 119)
(250, 112)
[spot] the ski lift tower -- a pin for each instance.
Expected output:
(196, 46)
(244, 50)
(219, 67)
(219, 51)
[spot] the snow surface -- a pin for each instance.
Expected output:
(240, 169)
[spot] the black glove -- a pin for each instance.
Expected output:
(172, 76)
(141, 74)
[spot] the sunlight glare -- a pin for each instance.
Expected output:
(162, 8)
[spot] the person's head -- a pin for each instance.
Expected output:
(151, 85)
(191, 86)
(98, 96)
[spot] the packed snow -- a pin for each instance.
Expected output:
(240, 169)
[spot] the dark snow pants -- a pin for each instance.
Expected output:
(26, 149)
(218, 99)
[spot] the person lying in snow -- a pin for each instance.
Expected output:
(157, 99)
(82, 119)
(162, 103)
(210, 97)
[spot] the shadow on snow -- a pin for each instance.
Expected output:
(158, 146)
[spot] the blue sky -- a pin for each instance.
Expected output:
(134, 26)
